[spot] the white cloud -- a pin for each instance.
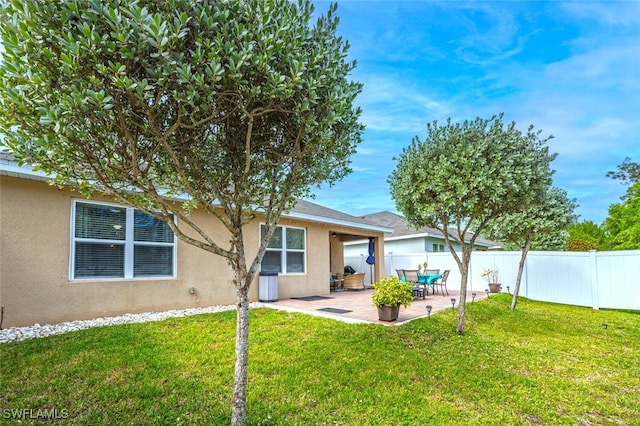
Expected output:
(570, 68)
(616, 14)
(400, 106)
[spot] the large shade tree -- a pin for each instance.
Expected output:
(464, 175)
(237, 106)
(622, 226)
(542, 225)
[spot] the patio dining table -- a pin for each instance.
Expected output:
(428, 280)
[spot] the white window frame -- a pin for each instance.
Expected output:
(128, 242)
(284, 249)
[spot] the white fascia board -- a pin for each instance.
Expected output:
(409, 237)
(12, 169)
(412, 236)
(332, 221)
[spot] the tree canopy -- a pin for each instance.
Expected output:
(628, 172)
(541, 225)
(464, 175)
(150, 91)
(622, 227)
(236, 106)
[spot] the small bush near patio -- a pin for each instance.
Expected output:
(541, 364)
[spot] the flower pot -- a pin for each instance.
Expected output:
(495, 287)
(388, 312)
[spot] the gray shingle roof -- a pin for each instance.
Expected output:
(315, 212)
(402, 229)
(398, 224)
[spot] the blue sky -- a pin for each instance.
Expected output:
(572, 69)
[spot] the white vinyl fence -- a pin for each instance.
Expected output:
(594, 279)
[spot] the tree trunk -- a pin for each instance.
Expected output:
(239, 412)
(464, 272)
(516, 291)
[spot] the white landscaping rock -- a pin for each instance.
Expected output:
(37, 330)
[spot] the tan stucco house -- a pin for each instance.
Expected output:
(63, 257)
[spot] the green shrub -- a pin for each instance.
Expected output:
(581, 244)
(392, 291)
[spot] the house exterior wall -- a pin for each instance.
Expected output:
(35, 287)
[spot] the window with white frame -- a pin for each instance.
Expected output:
(111, 241)
(286, 251)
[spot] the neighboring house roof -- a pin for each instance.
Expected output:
(303, 210)
(402, 229)
(399, 225)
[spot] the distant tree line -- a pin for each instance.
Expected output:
(621, 229)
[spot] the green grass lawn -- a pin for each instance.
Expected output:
(541, 364)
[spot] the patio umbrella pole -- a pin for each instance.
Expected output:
(371, 260)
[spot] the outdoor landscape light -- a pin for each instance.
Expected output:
(429, 307)
(473, 297)
(453, 303)
(486, 290)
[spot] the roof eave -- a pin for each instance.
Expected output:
(12, 169)
(332, 221)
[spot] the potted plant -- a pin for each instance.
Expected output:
(389, 294)
(492, 276)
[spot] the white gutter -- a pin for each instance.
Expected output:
(11, 168)
(406, 237)
(332, 221)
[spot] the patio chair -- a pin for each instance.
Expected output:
(411, 275)
(354, 281)
(419, 289)
(442, 283)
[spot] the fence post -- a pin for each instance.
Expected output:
(594, 279)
